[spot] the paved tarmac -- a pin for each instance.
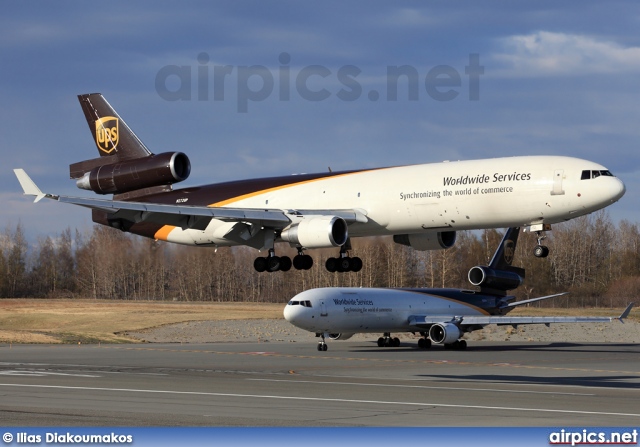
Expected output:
(292, 384)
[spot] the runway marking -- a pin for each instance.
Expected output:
(379, 385)
(35, 373)
(323, 399)
(69, 372)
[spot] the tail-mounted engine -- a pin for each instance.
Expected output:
(155, 170)
(495, 279)
(500, 275)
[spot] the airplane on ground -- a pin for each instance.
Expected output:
(421, 206)
(441, 316)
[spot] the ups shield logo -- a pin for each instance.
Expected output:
(107, 133)
(509, 251)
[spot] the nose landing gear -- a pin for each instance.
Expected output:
(322, 345)
(541, 251)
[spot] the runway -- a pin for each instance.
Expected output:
(292, 384)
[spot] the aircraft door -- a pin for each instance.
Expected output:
(557, 190)
(323, 309)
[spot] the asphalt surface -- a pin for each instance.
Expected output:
(292, 384)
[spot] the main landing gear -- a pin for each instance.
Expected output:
(387, 341)
(458, 345)
(302, 261)
(273, 263)
(424, 342)
(344, 263)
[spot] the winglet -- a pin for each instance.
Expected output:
(28, 185)
(626, 312)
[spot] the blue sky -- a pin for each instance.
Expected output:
(559, 78)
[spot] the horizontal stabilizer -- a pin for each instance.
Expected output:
(533, 300)
(29, 187)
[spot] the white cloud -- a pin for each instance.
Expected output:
(558, 54)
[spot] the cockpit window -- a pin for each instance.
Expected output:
(306, 303)
(586, 174)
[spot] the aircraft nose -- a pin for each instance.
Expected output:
(617, 189)
(622, 189)
(292, 314)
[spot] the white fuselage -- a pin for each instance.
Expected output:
(349, 310)
(448, 196)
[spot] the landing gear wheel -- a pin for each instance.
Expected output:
(308, 262)
(356, 264)
(302, 262)
(285, 263)
(424, 343)
(541, 251)
(260, 264)
(273, 263)
(344, 264)
(381, 342)
(331, 265)
(395, 342)
(458, 345)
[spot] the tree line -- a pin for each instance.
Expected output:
(595, 260)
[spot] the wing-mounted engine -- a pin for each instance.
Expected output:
(444, 333)
(121, 177)
(427, 241)
(317, 232)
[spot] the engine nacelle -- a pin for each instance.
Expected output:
(340, 336)
(444, 333)
(317, 232)
(427, 241)
(155, 170)
(496, 279)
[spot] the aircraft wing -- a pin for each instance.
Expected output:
(184, 216)
(481, 320)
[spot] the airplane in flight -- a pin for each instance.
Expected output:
(421, 206)
(440, 316)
